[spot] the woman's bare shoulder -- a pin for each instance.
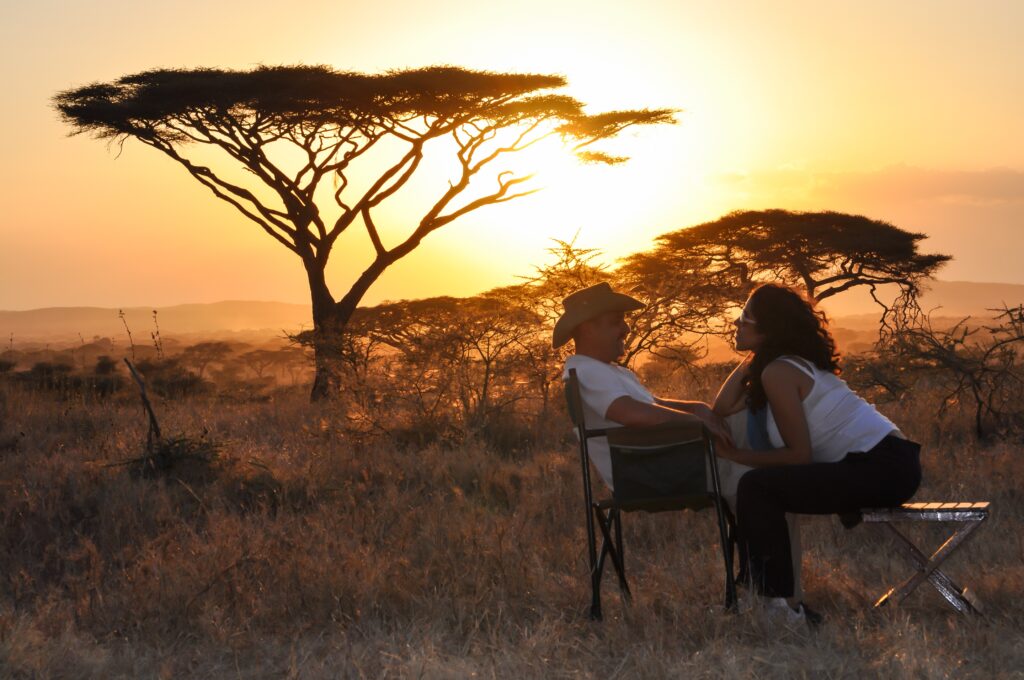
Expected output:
(781, 366)
(782, 373)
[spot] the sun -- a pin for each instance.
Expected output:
(616, 207)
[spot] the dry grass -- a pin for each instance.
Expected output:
(300, 554)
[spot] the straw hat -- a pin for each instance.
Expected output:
(586, 304)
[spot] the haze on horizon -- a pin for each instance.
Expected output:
(909, 113)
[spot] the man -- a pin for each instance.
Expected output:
(594, 318)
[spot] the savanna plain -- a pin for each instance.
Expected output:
(276, 538)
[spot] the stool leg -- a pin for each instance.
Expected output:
(928, 569)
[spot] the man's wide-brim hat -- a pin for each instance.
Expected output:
(587, 304)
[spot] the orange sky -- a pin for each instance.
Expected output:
(910, 112)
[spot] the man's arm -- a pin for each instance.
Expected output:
(714, 422)
(632, 413)
(695, 407)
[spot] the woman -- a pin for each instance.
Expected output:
(816, 447)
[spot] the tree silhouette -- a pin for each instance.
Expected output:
(201, 355)
(825, 253)
(680, 309)
(290, 127)
(259, 360)
(977, 366)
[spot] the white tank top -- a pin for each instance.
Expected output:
(839, 421)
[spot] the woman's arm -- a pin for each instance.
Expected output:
(782, 385)
(731, 398)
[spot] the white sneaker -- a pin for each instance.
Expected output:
(778, 609)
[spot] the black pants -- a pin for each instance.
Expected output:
(885, 476)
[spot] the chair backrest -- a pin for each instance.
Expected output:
(574, 404)
(573, 401)
(656, 468)
(661, 468)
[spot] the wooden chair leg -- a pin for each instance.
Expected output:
(928, 569)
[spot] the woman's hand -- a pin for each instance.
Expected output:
(726, 449)
(716, 424)
(781, 385)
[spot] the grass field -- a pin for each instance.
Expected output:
(301, 554)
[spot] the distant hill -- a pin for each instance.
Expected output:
(64, 324)
(946, 298)
(854, 311)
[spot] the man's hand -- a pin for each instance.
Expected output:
(715, 423)
(725, 449)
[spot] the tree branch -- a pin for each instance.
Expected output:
(219, 187)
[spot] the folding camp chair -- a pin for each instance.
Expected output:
(654, 469)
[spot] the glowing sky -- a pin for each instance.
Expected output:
(911, 112)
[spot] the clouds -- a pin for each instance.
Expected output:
(897, 184)
(904, 183)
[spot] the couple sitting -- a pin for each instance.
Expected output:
(815, 447)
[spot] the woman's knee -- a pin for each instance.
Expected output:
(755, 481)
(754, 489)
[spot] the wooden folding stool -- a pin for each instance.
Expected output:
(969, 516)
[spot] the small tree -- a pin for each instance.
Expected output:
(292, 127)
(492, 334)
(541, 294)
(201, 355)
(105, 366)
(976, 366)
(667, 324)
(259, 360)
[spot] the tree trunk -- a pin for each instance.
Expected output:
(330, 319)
(327, 329)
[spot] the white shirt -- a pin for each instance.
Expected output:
(600, 384)
(838, 420)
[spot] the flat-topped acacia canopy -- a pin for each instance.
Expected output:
(334, 117)
(304, 95)
(293, 94)
(826, 252)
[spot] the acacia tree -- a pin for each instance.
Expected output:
(425, 339)
(826, 253)
(292, 127)
(678, 309)
(493, 334)
(259, 360)
(201, 355)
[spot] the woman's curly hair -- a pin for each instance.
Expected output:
(791, 325)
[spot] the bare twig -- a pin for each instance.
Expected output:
(153, 436)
